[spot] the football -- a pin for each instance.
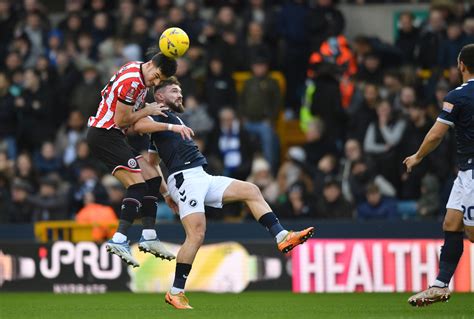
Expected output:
(173, 42)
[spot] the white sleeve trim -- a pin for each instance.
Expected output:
(152, 151)
(445, 122)
(151, 118)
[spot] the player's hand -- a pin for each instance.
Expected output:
(156, 109)
(186, 132)
(170, 202)
(411, 161)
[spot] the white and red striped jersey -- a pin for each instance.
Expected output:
(127, 86)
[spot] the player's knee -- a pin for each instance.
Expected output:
(198, 233)
(451, 225)
(252, 191)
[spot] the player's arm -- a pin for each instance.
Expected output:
(124, 115)
(148, 125)
(430, 143)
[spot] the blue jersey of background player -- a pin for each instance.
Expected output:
(176, 153)
(457, 112)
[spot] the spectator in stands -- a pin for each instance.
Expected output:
(261, 176)
(428, 204)
(381, 140)
(47, 160)
(376, 206)
(5, 196)
(86, 52)
(324, 21)
(71, 27)
(48, 204)
(8, 21)
(19, 209)
(183, 73)
(34, 110)
(361, 175)
(22, 45)
(293, 170)
(124, 18)
(431, 39)
(86, 95)
(417, 127)
(292, 28)
(317, 145)
(255, 45)
(407, 99)
(115, 191)
(332, 204)
(6, 166)
(88, 182)
(259, 107)
(232, 145)
(7, 118)
(36, 33)
(370, 71)
(452, 44)
(196, 116)
(392, 83)
(101, 28)
(298, 203)
(101, 217)
(25, 171)
(193, 23)
(407, 37)
(140, 34)
(327, 168)
(69, 135)
(220, 87)
(364, 113)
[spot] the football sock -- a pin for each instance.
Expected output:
(180, 277)
(150, 202)
(149, 234)
(130, 206)
(451, 252)
(271, 223)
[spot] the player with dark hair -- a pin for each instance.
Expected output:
(120, 107)
(457, 112)
(192, 188)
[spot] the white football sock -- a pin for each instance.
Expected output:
(119, 238)
(149, 234)
(281, 235)
(175, 291)
(439, 283)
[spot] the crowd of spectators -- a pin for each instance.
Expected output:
(369, 103)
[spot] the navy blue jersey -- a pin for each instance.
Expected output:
(177, 154)
(458, 112)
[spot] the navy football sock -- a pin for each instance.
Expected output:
(270, 221)
(130, 206)
(182, 272)
(451, 252)
(150, 203)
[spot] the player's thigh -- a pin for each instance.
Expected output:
(240, 191)
(453, 220)
(148, 171)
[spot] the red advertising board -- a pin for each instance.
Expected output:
(374, 265)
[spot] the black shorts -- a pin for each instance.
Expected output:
(111, 147)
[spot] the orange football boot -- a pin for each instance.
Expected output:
(295, 238)
(179, 301)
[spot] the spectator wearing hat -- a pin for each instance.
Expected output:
(261, 176)
(376, 206)
(332, 204)
(49, 204)
(19, 209)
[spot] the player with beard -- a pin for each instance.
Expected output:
(192, 188)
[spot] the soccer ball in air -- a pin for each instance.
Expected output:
(174, 42)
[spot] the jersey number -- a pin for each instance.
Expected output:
(468, 212)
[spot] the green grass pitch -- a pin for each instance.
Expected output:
(259, 305)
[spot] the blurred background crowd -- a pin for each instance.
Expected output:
(361, 105)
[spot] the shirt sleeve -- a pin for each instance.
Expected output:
(128, 92)
(449, 112)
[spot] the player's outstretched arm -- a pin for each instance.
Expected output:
(430, 143)
(148, 125)
(124, 115)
